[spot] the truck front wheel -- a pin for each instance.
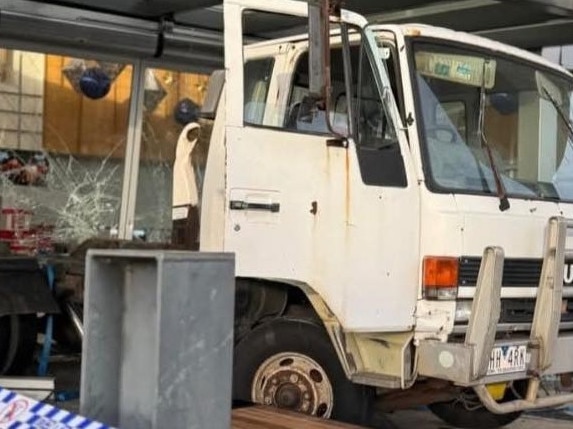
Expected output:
(291, 364)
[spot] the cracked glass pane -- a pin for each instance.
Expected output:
(172, 101)
(63, 128)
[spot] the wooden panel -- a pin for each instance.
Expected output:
(104, 122)
(62, 110)
(98, 129)
(78, 125)
(272, 418)
(160, 130)
(501, 132)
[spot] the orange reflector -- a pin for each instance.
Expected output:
(440, 279)
(440, 272)
(497, 390)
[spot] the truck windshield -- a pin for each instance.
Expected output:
(469, 99)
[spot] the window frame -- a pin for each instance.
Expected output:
(268, 68)
(394, 173)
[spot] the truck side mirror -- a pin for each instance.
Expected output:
(213, 95)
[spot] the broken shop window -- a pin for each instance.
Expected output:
(63, 136)
(171, 106)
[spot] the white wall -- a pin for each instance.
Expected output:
(22, 101)
(559, 54)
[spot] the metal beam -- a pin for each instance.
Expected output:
(74, 28)
(164, 7)
(77, 32)
(134, 8)
(421, 12)
(132, 154)
(535, 36)
(555, 7)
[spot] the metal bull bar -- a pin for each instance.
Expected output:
(545, 327)
(467, 363)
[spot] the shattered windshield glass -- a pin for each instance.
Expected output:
(531, 146)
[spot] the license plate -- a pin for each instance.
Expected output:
(508, 359)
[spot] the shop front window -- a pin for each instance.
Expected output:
(63, 133)
(172, 158)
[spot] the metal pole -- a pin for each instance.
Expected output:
(132, 152)
(20, 90)
(317, 20)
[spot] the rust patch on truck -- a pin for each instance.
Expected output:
(314, 208)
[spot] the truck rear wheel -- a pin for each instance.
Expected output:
(292, 365)
(467, 412)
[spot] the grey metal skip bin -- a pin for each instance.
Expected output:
(158, 339)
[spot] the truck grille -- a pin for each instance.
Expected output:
(520, 272)
(516, 316)
(521, 311)
(517, 272)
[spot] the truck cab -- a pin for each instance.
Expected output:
(407, 235)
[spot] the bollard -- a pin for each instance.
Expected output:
(157, 350)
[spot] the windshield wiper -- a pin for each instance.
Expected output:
(501, 192)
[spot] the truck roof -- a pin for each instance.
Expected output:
(424, 30)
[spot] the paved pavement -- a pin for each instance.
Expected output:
(426, 420)
(67, 377)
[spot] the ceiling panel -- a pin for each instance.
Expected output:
(535, 36)
(367, 7)
(209, 18)
(467, 15)
(487, 16)
(525, 23)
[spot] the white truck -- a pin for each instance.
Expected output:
(398, 198)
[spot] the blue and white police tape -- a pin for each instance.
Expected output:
(20, 412)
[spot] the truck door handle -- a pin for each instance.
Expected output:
(243, 205)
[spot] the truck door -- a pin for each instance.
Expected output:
(306, 206)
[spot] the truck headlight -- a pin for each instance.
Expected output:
(463, 311)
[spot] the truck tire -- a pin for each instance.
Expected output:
(291, 364)
(18, 338)
(459, 414)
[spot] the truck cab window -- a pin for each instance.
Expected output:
(299, 89)
(257, 76)
(378, 150)
(379, 155)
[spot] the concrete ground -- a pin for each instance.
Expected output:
(425, 420)
(67, 374)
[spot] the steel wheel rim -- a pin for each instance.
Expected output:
(293, 381)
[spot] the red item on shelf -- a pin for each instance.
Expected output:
(13, 219)
(16, 229)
